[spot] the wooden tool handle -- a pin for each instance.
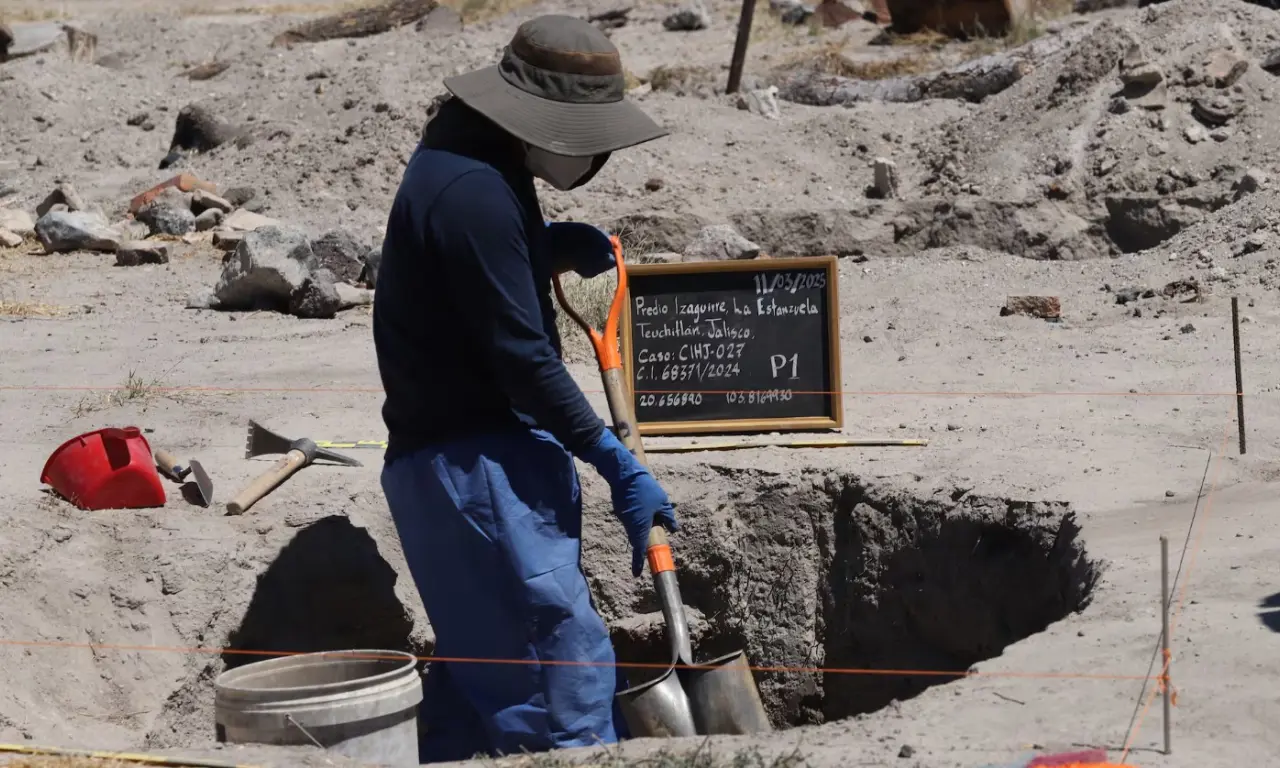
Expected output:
(168, 464)
(267, 482)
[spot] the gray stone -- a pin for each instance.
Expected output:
(761, 101)
(886, 178)
(227, 241)
(318, 298)
(63, 194)
(350, 296)
(688, 19)
(238, 196)
(339, 252)
(208, 219)
(18, 222)
(168, 214)
(1195, 133)
(202, 201)
(9, 239)
(720, 242)
(62, 231)
(247, 221)
(372, 260)
(274, 268)
(135, 253)
(1252, 181)
(202, 299)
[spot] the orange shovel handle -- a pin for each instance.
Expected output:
(606, 343)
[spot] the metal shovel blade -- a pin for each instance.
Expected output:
(724, 697)
(203, 484)
(658, 708)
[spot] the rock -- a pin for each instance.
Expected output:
(907, 750)
(350, 296)
(63, 194)
(1257, 241)
(318, 298)
(227, 241)
(1215, 111)
(1043, 307)
(199, 129)
(372, 260)
(19, 222)
(247, 221)
(1091, 6)
(135, 253)
(1136, 71)
(688, 19)
(209, 219)
(168, 214)
(63, 231)
(1224, 68)
(886, 178)
(1252, 181)
(274, 268)
(720, 242)
(9, 239)
(339, 252)
(1220, 134)
(760, 101)
(1195, 133)
(202, 200)
(203, 299)
(6, 40)
(236, 197)
(791, 12)
(1271, 62)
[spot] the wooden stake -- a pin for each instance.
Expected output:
(1166, 657)
(1235, 339)
(740, 46)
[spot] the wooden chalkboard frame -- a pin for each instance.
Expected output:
(714, 426)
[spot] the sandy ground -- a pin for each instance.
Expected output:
(1118, 415)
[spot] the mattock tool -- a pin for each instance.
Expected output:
(688, 699)
(170, 468)
(297, 454)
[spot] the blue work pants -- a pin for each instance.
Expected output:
(491, 528)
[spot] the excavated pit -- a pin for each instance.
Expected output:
(834, 572)
(328, 589)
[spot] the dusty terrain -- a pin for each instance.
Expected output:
(112, 624)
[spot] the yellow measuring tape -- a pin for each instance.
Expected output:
(871, 442)
(176, 762)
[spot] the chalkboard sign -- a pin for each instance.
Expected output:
(733, 346)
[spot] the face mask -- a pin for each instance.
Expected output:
(559, 171)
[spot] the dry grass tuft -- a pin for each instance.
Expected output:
(829, 59)
(134, 390)
(591, 299)
(30, 309)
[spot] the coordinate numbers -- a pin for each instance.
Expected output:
(670, 399)
(758, 397)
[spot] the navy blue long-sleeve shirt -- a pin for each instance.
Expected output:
(463, 321)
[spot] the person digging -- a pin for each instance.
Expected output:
(484, 420)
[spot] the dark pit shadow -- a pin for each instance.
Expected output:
(328, 589)
(1269, 612)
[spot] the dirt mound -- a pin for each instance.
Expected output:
(1141, 129)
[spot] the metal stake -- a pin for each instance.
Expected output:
(1164, 645)
(1235, 339)
(740, 46)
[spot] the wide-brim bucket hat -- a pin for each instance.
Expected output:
(560, 87)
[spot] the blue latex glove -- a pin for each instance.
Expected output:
(638, 500)
(584, 248)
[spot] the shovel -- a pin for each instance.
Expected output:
(687, 699)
